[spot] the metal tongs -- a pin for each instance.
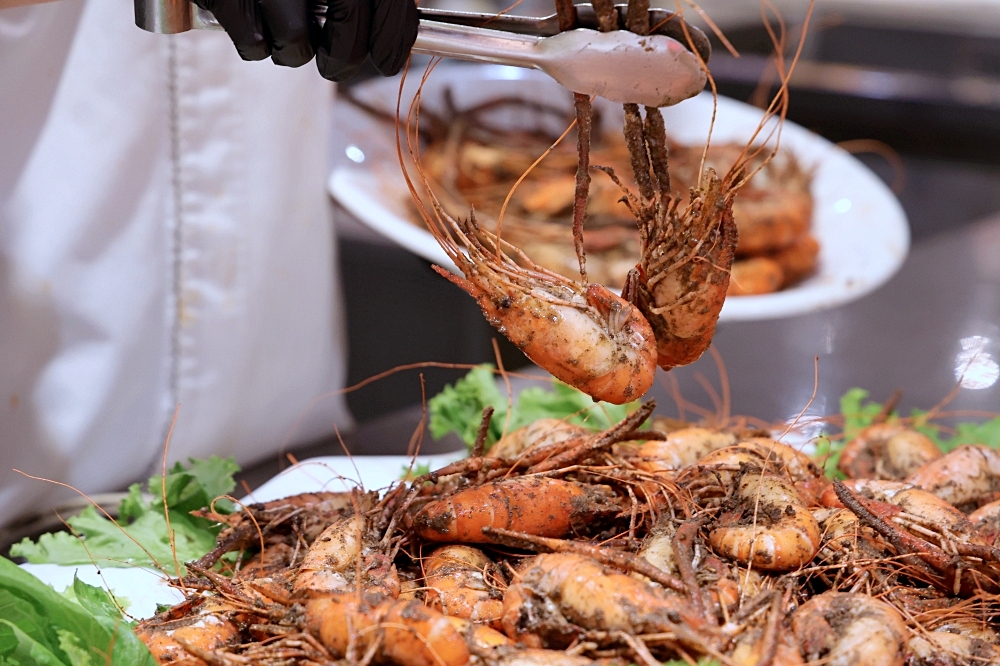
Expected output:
(660, 69)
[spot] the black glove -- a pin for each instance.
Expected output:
(287, 31)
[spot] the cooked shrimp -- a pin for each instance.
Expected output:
(585, 336)
(766, 453)
(943, 648)
(206, 629)
(986, 520)
(542, 437)
(455, 578)
(683, 273)
(877, 489)
(798, 466)
(556, 588)
(920, 522)
(887, 451)
(844, 538)
(798, 261)
(769, 455)
(968, 475)
(331, 563)
(755, 276)
(769, 528)
(401, 632)
(680, 449)
(534, 505)
(850, 630)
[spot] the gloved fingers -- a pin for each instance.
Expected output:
(393, 31)
(242, 21)
(291, 28)
(343, 44)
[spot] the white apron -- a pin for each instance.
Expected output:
(164, 239)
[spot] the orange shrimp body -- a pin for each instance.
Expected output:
(535, 505)
(844, 629)
(538, 440)
(967, 475)
(207, 630)
(330, 564)
(587, 336)
(456, 584)
(877, 489)
(770, 529)
(565, 586)
(986, 520)
(886, 451)
(683, 273)
(680, 449)
(406, 632)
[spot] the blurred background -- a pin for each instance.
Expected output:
(913, 87)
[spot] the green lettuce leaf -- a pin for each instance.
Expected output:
(40, 626)
(565, 402)
(141, 536)
(857, 413)
(459, 407)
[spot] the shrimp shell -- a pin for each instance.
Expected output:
(586, 336)
(771, 529)
(680, 449)
(535, 505)
(565, 586)
(456, 584)
(410, 633)
(850, 630)
(969, 474)
(886, 451)
(683, 272)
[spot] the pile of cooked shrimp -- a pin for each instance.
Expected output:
(472, 165)
(560, 545)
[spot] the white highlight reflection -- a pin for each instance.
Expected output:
(354, 154)
(841, 206)
(974, 367)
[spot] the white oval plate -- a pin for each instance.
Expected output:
(863, 233)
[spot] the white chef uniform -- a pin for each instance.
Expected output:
(164, 239)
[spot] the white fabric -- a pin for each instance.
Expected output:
(115, 305)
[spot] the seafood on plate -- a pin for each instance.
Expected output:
(626, 546)
(477, 165)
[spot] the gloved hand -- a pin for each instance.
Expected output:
(287, 31)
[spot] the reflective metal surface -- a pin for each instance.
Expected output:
(167, 17)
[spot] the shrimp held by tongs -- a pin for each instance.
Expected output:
(586, 336)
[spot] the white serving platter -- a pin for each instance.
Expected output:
(860, 225)
(142, 589)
